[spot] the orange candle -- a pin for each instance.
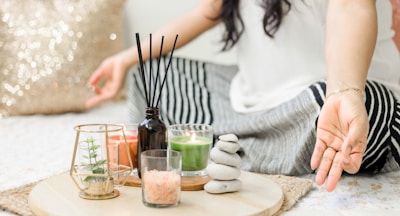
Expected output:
(118, 140)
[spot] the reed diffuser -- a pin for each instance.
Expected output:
(152, 131)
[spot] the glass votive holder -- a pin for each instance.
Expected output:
(194, 142)
(119, 151)
(161, 178)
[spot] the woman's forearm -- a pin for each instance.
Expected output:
(188, 27)
(350, 41)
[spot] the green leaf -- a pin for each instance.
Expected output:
(94, 147)
(88, 167)
(93, 155)
(89, 178)
(90, 140)
(94, 165)
(99, 171)
(100, 162)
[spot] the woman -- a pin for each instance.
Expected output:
(299, 62)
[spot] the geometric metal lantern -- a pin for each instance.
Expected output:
(95, 167)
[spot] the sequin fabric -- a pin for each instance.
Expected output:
(49, 49)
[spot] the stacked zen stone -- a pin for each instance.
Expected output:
(224, 167)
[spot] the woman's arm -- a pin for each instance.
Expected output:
(350, 41)
(188, 26)
(342, 127)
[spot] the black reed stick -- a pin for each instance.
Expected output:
(165, 77)
(150, 95)
(150, 73)
(158, 70)
(142, 67)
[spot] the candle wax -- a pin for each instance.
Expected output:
(194, 152)
(123, 157)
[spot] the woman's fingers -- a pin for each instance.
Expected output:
(325, 165)
(335, 172)
(111, 72)
(330, 168)
(331, 163)
(96, 76)
(352, 157)
(94, 101)
(317, 155)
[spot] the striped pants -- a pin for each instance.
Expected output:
(276, 141)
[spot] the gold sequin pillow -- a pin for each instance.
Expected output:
(49, 49)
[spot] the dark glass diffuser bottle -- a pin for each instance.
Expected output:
(151, 134)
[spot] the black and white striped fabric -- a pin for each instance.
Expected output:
(185, 97)
(276, 141)
(188, 99)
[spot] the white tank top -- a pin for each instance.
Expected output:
(272, 71)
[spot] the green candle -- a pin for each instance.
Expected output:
(194, 151)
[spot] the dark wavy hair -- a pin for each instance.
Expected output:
(234, 26)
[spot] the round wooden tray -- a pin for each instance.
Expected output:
(188, 183)
(58, 195)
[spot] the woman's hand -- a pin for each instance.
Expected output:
(342, 132)
(112, 71)
(343, 126)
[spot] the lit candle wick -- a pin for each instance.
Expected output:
(193, 138)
